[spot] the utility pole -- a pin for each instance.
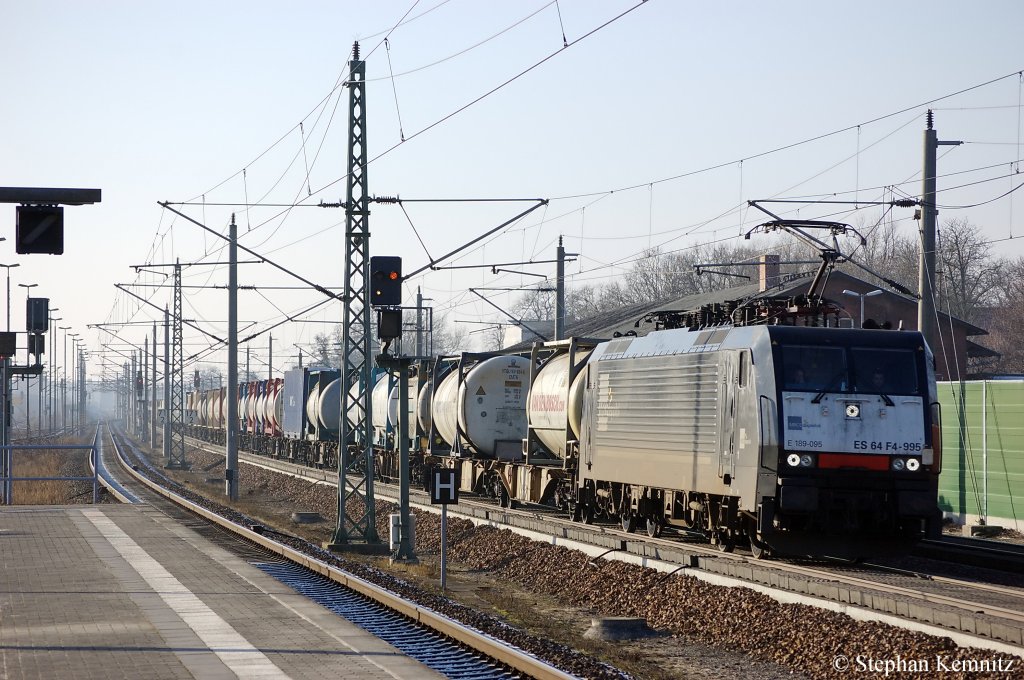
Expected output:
(81, 388)
(52, 372)
(419, 322)
(560, 292)
(231, 457)
(355, 441)
(153, 413)
(167, 388)
(560, 289)
(131, 397)
(144, 402)
(929, 214)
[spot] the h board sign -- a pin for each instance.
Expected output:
(444, 487)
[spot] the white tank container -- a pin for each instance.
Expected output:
(553, 404)
(261, 411)
(393, 404)
(423, 406)
(489, 406)
(328, 405)
(380, 404)
(353, 394)
(279, 406)
(206, 409)
(444, 408)
(311, 406)
(217, 409)
(272, 405)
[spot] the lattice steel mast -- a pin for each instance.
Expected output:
(176, 455)
(355, 452)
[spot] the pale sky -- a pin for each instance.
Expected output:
(173, 101)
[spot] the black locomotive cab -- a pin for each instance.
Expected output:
(858, 454)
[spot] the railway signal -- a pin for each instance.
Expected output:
(40, 218)
(385, 281)
(39, 230)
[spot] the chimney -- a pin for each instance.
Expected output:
(768, 272)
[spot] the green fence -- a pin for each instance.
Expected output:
(983, 451)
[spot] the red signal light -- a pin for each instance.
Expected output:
(393, 276)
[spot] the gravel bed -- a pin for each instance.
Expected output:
(788, 640)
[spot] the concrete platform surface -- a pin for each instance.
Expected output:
(123, 591)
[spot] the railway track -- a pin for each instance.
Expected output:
(971, 611)
(434, 638)
(975, 552)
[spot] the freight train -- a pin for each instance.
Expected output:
(796, 437)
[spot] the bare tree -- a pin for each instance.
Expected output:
(658, 276)
(1005, 322)
(208, 377)
(971, 277)
(537, 302)
(494, 336)
(327, 347)
(447, 338)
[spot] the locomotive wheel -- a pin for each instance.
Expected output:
(629, 522)
(725, 540)
(758, 550)
(653, 528)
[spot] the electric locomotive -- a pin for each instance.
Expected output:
(801, 440)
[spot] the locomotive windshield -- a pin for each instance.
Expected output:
(887, 371)
(849, 369)
(812, 369)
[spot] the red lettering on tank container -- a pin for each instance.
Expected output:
(547, 402)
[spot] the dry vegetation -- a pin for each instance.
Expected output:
(51, 463)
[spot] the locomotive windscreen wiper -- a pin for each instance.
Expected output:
(828, 386)
(886, 399)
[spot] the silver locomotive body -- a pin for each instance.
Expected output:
(710, 430)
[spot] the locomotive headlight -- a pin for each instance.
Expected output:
(806, 460)
(898, 464)
(913, 464)
(793, 460)
(853, 410)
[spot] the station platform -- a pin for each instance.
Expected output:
(124, 591)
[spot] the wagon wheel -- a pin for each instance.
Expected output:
(653, 527)
(504, 500)
(587, 513)
(725, 540)
(626, 514)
